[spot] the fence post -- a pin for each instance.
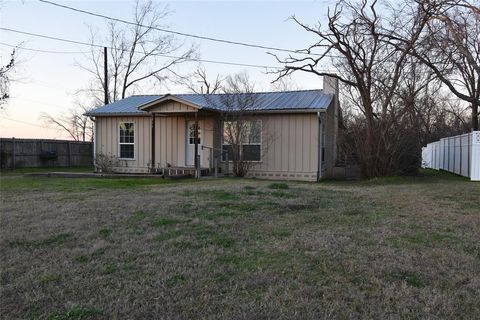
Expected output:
(13, 154)
(469, 154)
(475, 158)
(461, 140)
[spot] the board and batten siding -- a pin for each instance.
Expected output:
(107, 141)
(170, 140)
(289, 147)
(290, 143)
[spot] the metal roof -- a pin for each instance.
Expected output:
(262, 101)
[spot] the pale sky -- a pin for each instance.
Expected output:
(46, 82)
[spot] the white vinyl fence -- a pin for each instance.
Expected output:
(458, 154)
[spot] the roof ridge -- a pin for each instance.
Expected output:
(218, 94)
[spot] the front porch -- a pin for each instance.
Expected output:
(185, 139)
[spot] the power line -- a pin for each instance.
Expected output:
(51, 38)
(28, 123)
(117, 49)
(231, 42)
(40, 50)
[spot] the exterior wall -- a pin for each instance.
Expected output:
(290, 142)
(170, 140)
(107, 141)
(289, 147)
(330, 86)
(331, 122)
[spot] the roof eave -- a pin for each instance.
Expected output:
(116, 114)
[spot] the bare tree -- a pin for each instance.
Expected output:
(370, 66)
(138, 54)
(284, 84)
(242, 132)
(5, 78)
(74, 122)
(198, 82)
(450, 47)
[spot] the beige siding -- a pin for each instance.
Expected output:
(170, 146)
(289, 147)
(289, 143)
(107, 141)
(172, 107)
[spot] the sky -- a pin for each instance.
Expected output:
(47, 82)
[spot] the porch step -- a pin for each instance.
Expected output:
(178, 172)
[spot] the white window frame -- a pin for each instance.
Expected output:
(247, 144)
(127, 143)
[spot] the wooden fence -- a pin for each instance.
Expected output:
(26, 153)
(458, 154)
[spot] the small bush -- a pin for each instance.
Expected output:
(105, 162)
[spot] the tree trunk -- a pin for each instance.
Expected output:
(475, 116)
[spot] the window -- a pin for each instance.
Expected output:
(249, 136)
(191, 134)
(127, 140)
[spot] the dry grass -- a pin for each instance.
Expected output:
(399, 248)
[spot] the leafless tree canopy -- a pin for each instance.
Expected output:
(74, 122)
(450, 47)
(199, 82)
(242, 133)
(285, 84)
(375, 55)
(5, 77)
(138, 55)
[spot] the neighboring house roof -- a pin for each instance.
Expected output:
(263, 101)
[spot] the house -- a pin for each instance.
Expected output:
(292, 135)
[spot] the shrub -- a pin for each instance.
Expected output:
(105, 162)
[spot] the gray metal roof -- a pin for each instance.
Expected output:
(262, 101)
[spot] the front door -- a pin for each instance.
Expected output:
(190, 159)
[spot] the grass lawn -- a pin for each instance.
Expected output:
(393, 248)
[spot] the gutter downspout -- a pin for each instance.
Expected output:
(319, 156)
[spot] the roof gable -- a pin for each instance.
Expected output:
(170, 103)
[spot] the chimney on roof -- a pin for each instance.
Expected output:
(330, 85)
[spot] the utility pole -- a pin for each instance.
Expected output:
(105, 77)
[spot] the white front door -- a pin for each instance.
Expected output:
(190, 159)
